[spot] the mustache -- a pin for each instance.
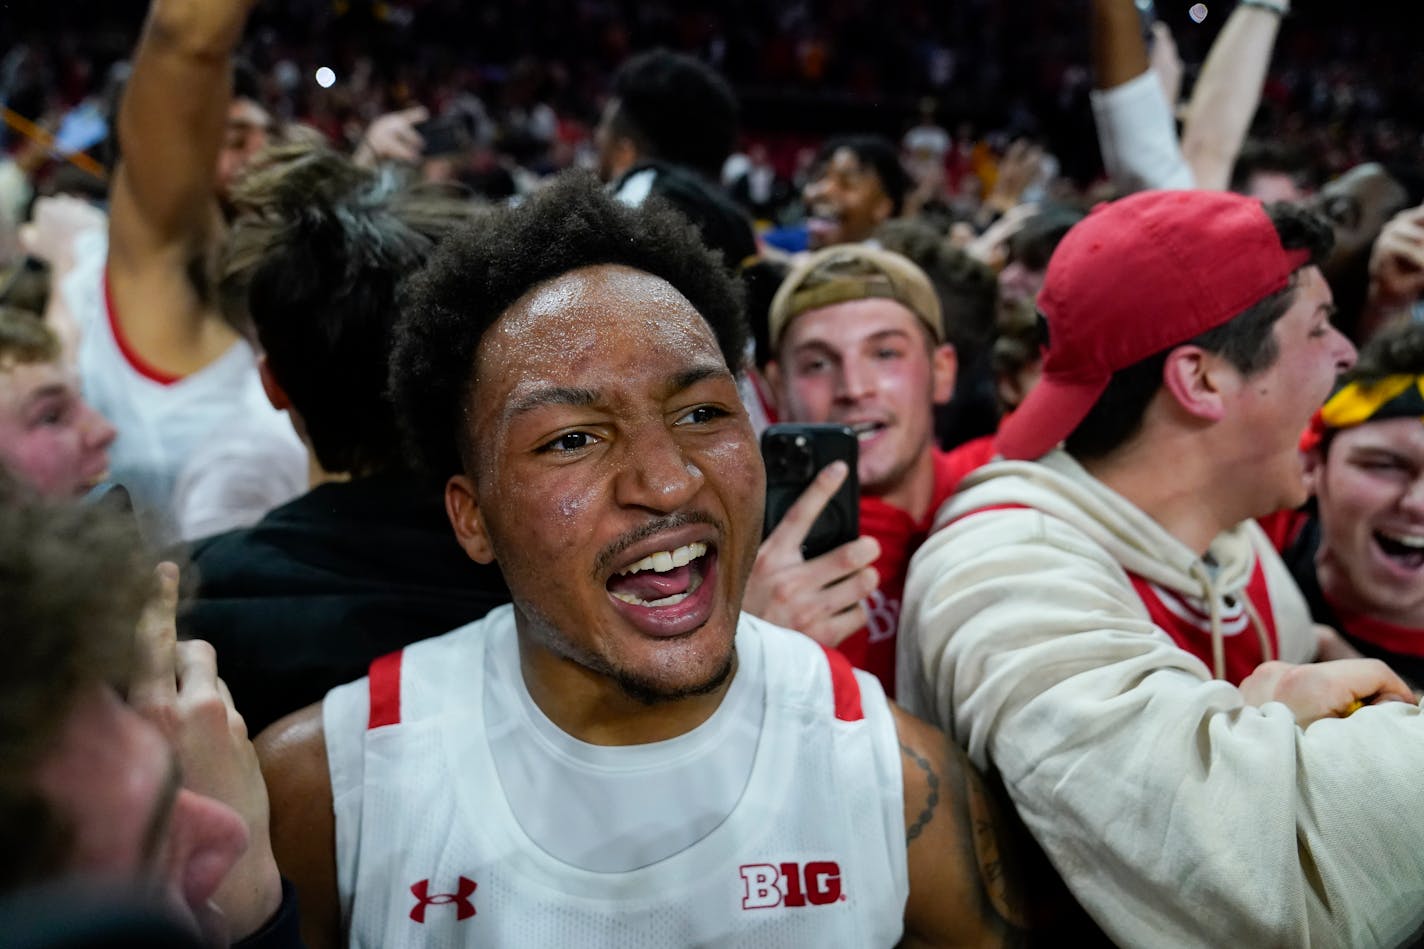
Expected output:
(610, 554)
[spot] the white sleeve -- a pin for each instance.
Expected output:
(1138, 136)
(1177, 815)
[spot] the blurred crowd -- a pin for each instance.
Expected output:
(391, 380)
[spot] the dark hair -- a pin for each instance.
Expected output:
(676, 108)
(321, 249)
(967, 288)
(1245, 340)
(1034, 243)
(876, 153)
(476, 275)
(1396, 350)
(73, 581)
(1261, 156)
(760, 280)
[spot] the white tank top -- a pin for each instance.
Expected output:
(163, 423)
(429, 851)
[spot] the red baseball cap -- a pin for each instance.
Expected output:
(1135, 277)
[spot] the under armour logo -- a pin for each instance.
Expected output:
(464, 909)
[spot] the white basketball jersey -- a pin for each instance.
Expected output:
(163, 422)
(429, 852)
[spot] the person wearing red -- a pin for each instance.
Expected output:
(1357, 550)
(858, 339)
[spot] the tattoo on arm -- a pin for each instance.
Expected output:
(932, 780)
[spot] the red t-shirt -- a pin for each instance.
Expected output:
(872, 648)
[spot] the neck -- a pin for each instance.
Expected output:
(594, 708)
(1174, 482)
(913, 492)
(1335, 584)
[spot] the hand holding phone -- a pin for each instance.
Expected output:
(819, 595)
(794, 454)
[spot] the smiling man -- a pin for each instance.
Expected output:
(857, 183)
(1091, 620)
(1359, 559)
(621, 757)
(859, 340)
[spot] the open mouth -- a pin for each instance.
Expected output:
(865, 431)
(668, 592)
(664, 578)
(1406, 550)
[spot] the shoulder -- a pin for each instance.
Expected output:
(293, 750)
(303, 823)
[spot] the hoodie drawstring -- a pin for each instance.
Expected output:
(1218, 641)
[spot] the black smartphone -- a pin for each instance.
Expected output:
(449, 134)
(794, 453)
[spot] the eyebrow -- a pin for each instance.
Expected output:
(551, 395)
(873, 337)
(583, 397)
(50, 391)
(162, 814)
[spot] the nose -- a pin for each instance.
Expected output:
(853, 381)
(206, 838)
(656, 473)
(98, 433)
(1344, 352)
(1412, 502)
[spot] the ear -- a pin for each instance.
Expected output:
(774, 380)
(1194, 378)
(462, 507)
(275, 393)
(944, 366)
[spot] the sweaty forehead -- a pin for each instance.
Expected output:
(594, 327)
(592, 305)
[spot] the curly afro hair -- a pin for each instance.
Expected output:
(479, 272)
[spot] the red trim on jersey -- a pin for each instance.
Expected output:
(844, 687)
(139, 365)
(385, 690)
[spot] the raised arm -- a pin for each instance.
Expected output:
(1136, 131)
(163, 211)
(1228, 91)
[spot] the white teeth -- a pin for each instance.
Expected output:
(864, 430)
(1405, 540)
(673, 600)
(665, 560)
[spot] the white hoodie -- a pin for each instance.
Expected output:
(1177, 815)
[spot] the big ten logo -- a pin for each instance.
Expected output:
(882, 616)
(766, 885)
